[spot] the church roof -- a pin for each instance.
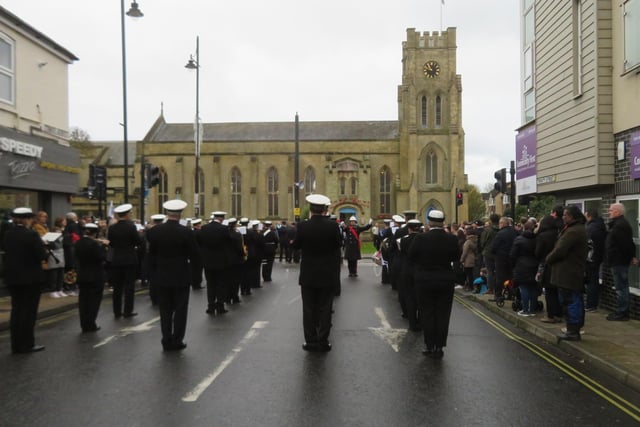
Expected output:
(280, 131)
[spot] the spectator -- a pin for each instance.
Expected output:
(352, 244)
(500, 249)
(525, 267)
(597, 234)
(545, 241)
(620, 252)
(468, 257)
(568, 261)
(486, 242)
(56, 262)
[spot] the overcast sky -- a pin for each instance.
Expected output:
(265, 60)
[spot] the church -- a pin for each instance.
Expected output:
(369, 169)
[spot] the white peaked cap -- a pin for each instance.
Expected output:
(175, 205)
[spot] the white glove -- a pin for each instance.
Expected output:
(370, 221)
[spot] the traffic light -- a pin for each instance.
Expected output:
(97, 186)
(154, 176)
(501, 180)
(459, 198)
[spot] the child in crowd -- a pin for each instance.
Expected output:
(480, 283)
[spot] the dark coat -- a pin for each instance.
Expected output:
(352, 243)
(171, 249)
(319, 242)
(597, 233)
(545, 241)
(568, 259)
(432, 254)
(270, 238)
(486, 240)
(523, 258)
(124, 241)
(90, 257)
(619, 245)
(24, 253)
(237, 256)
(214, 241)
(255, 245)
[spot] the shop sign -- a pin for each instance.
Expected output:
(18, 147)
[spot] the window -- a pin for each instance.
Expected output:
(631, 34)
(354, 186)
(528, 59)
(577, 47)
(432, 168)
(438, 111)
(200, 178)
(272, 192)
(385, 191)
(309, 181)
(7, 91)
(236, 192)
(529, 106)
(163, 189)
(343, 186)
(423, 110)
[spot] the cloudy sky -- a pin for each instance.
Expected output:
(265, 60)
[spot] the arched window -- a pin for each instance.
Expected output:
(272, 192)
(438, 111)
(431, 168)
(354, 186)
(201, 191)
(343, 186)
(423, 112)
(163, 189)
(236, 192)
(385, 191)
(309, 181)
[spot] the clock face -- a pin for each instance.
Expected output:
(431, 69)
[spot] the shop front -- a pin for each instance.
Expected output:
(35, 172)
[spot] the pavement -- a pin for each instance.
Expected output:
(612, 347)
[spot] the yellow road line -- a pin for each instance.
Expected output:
(614, 399)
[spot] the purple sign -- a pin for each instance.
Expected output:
(634, 144)
(526, 153)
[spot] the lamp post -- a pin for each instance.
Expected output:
(194, 64)
(133, 12)
(296, 174)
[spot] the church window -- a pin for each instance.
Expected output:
(236, 192)
(423, 112)
(163, 189)
(438, 111)
(309, 181)
(354, 186)
(272, 192)
(385, 191)
(343, 186)
(432, 168)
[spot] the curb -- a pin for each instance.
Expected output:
(619, 373)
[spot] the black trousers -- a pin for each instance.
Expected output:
(435, 298)
(316, 313)
(235, 278)
(89, 300)
(123, 279)
(267, 268)
(352, 265)
(253, 270)
(25, 299)
(174, 306)
(217, 285)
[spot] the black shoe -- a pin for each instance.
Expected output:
(235, 300)
(570, 336)
(197, 288)
(117, 315)
(221, 310)
(310, 346)
(324, 347)
(127, 315)
(437, 353)
(97, 328)
(33, 349)
(618, 317)
(427, 351)
(211, 311)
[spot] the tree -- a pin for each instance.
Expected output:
(477, 208)
(79, 135)
(539, 206)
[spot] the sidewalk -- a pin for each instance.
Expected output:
(612, 347)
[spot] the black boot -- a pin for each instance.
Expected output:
(572, 334)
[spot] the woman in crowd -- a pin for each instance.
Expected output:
(468, 257)
(525, 267)
(545, 241)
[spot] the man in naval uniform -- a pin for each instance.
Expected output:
(318, 239)
(433, 254)
(196, 267)
(156, 219)
(24, 276)
(90, 254)
(214, 240)
(172, 249)
(270, 247)
(124, 241)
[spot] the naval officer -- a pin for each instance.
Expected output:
(172, 249)
(318, 239)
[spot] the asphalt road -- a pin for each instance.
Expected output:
(247, 368)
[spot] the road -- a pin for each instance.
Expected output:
(247, 368)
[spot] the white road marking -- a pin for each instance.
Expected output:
(142, 327)
(294, 300)
(194, 394)
(393, 337)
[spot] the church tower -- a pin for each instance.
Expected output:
(430, 120)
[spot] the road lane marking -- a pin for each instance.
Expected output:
(194, 394)
(293, 300)
(393, 337)
(614, 399)
(142, 327)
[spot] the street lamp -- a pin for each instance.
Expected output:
(133, 12)
(194, 64)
